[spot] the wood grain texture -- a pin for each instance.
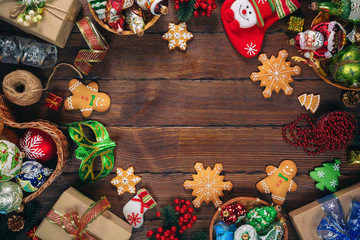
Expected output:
(172, 109)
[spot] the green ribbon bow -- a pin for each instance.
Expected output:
(88, 150)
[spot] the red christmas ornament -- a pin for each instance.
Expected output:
(233, 213)
(38, 145)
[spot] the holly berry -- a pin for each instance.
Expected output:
(181, 231)
(157, 236)
(189, 225)
(173, 229)
(188, 202)
(166, 234)
(160, 229)
(176, 201)
(149, 234)
(182, 201)
(177, 208)
(194, 218)
(177, 6)
(182, 211)
(158, 214)
(162, 238)
(183, 227)
(190, 210)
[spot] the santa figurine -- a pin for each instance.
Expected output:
(245, 21)
(322, 41)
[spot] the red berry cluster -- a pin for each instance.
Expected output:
(177, 3)
(204, 7)
(186, 221)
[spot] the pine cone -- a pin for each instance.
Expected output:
(351, 99)
(16, 223)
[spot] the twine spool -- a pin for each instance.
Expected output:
(22, 88)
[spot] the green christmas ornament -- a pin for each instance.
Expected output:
(275, 232)
(89, 150)
(348, 10)
(10, 160)
(345, 66)
(327, 176)
(261, 217)
(99, 7)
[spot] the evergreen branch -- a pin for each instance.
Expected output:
(199, 236)
(186, 10)
(169, 217)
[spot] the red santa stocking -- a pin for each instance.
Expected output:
(245, 21)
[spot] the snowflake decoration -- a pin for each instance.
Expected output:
(125, 181)
(336, 167)
(133, 219)
(251, 49)
(331, 205)
(333, 183)
(30, 145)
(275, 74)
(177, 36)
(208, 185)
(320, 174)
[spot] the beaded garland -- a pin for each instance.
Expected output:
(332, 132)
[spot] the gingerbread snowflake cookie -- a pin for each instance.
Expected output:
(208, 185)
(279, 181)
(125, 181)
(177, 36)
(275, 74)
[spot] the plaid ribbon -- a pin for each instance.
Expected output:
(96, 42)
(76, 226)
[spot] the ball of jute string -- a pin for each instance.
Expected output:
(22, 88)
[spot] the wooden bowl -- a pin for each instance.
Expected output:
(51, 129)
(249, 203)
(149, 21)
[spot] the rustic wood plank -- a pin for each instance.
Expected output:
(194, 103)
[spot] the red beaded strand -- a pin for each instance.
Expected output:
(332, 132)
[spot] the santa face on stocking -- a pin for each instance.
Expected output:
(245, 21)
(244, 13)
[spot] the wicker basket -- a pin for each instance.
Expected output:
(324, 73)
(49, 128)
(151, 21)
(249, 203)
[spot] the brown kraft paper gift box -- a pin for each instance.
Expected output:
(106, 226)
(307, 218)
(51, 28)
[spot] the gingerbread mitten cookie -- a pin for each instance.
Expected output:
(279, 181)
(86, 98)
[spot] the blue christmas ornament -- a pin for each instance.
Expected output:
(32, 176)
(224, 231)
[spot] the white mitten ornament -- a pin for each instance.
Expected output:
(135, 209)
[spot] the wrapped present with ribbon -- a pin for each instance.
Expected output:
(74, 216)
(325, 218)
(53, 101)
(51, 21)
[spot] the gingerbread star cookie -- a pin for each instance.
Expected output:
(279, 181)
(86, 98)
(275, 74)
(208, 185)
(125, 181)
(177, 36)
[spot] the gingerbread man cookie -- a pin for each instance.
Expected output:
(279, 181)
(86, 98)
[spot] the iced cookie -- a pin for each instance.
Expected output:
(279, 181)
(86, 98)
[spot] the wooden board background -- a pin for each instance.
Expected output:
(172, 109)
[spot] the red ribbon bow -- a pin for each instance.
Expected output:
(76, 226)
(143, 205)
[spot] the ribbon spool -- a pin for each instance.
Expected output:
(23, 88)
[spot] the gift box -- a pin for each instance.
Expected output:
(53, 101)
(56, 24)
(307, 219)
(105, 226)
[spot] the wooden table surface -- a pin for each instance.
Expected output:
(171, 109)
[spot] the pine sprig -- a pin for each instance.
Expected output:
(199, 236)
(29, 214)
(186, 10)
(169, 217)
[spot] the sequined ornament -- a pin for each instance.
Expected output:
(233, 213)
(296, 24)
(135, 21)
(224, 231)
(10, 197)
(345, 66)
(32, 176)
(261, 217)
(10, 160)
(89, 150)
(38, 145)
